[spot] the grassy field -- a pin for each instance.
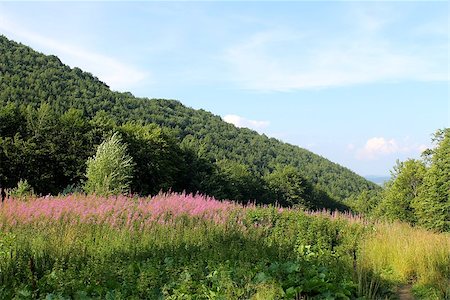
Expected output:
(192, 247)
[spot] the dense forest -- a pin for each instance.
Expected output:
(53, 117)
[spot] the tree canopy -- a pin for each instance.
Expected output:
(433, 202)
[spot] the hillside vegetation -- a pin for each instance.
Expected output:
(52, 118)
(192, 247)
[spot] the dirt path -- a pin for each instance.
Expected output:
(405, 293)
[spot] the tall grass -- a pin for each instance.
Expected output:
(176, 246)
(402, 254)
(170, 246)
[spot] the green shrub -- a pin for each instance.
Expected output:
(22, 190)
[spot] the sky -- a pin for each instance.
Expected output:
(362, 83)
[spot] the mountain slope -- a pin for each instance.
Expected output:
(29, 77)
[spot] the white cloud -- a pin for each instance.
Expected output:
(112, 71)
(379, 146)
(277, 60)
(239, 121)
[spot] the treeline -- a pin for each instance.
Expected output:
(50, 151)
(418, 192)
(219, 158)
(53, 118)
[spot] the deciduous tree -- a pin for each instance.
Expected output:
(110, 170)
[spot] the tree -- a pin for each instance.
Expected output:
(402, 191)
(109, 172)
(289, 186)
(73, 144)
(365, 202)
(433, 204)
(159, 156)
(239, 183)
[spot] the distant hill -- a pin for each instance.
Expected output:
(380, 180)
(31, 78)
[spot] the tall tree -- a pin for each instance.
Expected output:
(433, 204)
(239, 183)
(402, 191)
(160, 158)
(73, 144)
(290, 187)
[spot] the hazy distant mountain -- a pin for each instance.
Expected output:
(380, 180)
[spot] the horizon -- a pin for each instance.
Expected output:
(369, 87)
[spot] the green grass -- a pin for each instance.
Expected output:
(187, 258)
(401, 254)
(248, 253)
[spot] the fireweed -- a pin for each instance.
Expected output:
(115, 211)
(174, 246)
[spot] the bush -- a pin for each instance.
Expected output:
(22, 190)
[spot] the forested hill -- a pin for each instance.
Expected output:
(29, 78)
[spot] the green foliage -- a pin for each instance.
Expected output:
(419, 191)
(238, 183)
(110, 171)
(364, 203)
(433, 203)
(22, 191)
(289, 186)
(180, 260)
(160, 159)
(402, 190)
(49, 150)
(257, 253)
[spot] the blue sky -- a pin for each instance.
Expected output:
(361, 83)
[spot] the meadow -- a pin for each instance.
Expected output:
(178, 246)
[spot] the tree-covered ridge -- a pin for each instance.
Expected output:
(204, 143)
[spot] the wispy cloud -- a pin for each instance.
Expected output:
(281, 60)
(239, 121)
(433, 28)
(112, 71)
(377, 147)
